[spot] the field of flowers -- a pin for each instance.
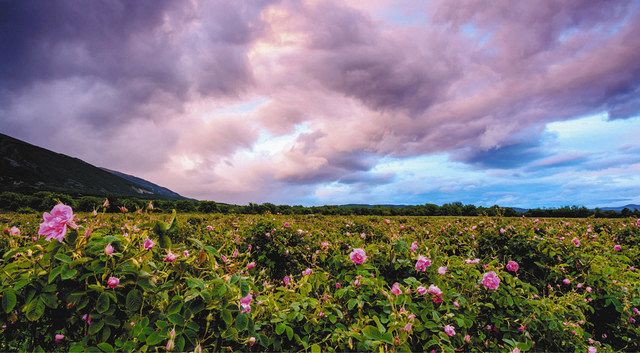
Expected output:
(155, 282)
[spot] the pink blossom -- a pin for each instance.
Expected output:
(472, 262)
(421, 290)
(592, 349)
(86, 318)
(422, 263)
(395, 289)
(324, 245)
(522, 328)
(387, 221)
(209, 228)
(59, 337)
(15, 231)
(442, 270)
(408, 327)
(148, 244)
(434, 290)
(338, 285)
(450, 330)
(287, 224)
(414, 246)
(170, 257)
(617, 247)
(251, 265)
(307, 272)
(638, 222)
(108, 249)
(54, 225)
(515, 350)
(321, 314)
(566, 281)
(490, 280)
(358, 256)
(576, 241)
(636, 311)
(512, 266)
(589, 289)
(87, 232)
(113, 282)
(456, 304)
(245, 303)
(185, 253)
(502, 230)
(467, 338)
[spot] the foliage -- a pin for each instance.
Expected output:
(52, 288)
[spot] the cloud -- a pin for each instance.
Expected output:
(188, 94)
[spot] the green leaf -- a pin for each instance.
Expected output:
(315, 348)
(153, 339)
(280, 328)
(102, 304)
(68, 273)
(133, 300)
(50, 300)
(55, 272)
(9, 300)
(36, 311)
(63, 257)
(105, 347)
(241, 322)
(289, 332)
(96, 326)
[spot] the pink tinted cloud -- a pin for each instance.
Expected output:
(477, 82)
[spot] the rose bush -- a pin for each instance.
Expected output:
(135, 282)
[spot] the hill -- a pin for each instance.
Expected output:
(27, 168)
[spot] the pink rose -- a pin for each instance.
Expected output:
(307, 272)
(358, 256)
(566, 281)
(414, 246)
(638, 222)
(421, 290)
(185, 253)
(442, 270)
(490, 280)
(422, 263)
(434, 290)
(512, 266)
(251, 265)
(54, 225)
(148, 244)
(287, 224)
(408, 327)
(472, 262)
(59, 337)
(108, 249)
(617, 247)
(286, 280)
(15, 231)
(338, 285)
(113, 282)
(170, 257)
(592, 349)
(450, 330)
(467, 338)
(576, 241)
(395, 289)
(245, 303)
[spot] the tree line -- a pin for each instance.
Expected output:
(44, 201)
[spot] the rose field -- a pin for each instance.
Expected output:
(140, 281)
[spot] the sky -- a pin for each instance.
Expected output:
(516, 103)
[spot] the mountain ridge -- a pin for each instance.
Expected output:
(28, 168)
